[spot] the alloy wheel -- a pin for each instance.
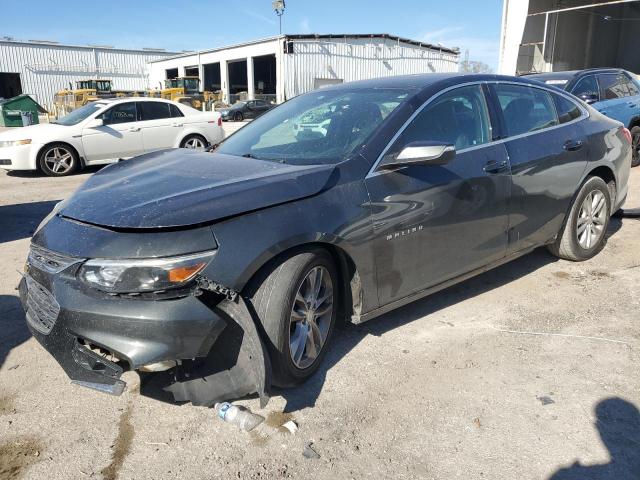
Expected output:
(591, 219)
(194, 143)
(59, 160)
(635, 145)
(310, 318)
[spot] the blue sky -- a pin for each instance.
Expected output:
(199, 24)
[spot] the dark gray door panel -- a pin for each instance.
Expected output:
(432, 223)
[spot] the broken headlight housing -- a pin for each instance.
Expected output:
(143, 275)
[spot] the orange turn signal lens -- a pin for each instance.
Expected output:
(182, 274)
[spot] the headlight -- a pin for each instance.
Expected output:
(143, 275)
(14, 143)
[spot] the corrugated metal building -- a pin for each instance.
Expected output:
(282, 67)
(41, 68)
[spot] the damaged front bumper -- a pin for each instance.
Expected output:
(211, 337)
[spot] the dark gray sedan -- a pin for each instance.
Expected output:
(246, 109)
(216, 275)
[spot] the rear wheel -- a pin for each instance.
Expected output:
(583, 234)
(58, 160)
(296, 304)
(635, 143)
(194, 142)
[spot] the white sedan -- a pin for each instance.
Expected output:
(107, 131)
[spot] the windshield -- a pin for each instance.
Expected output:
(320, 127)
(79, 115)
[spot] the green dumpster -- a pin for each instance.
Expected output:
(19, 111)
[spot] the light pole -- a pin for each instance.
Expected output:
(278, 7)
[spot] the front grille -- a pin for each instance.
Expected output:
(48, 261)
(42, 309)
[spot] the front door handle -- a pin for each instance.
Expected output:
(573, 145)
(494, 166)
(134, 129)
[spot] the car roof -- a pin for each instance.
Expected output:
(570, 74)
(425, 80)
(113, 101)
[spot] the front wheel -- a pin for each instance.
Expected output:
(297, 306)
(58, 160)
(238, 117)
(583, 234)
(635, 144)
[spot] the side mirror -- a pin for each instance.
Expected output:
(95, 123)
(420, 153)
(589, 98)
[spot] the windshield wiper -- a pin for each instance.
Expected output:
(251, 155)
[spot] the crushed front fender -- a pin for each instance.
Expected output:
(237, 365)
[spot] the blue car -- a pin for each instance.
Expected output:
(612, 91)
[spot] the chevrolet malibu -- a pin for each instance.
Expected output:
(219, 274)
(106, 131)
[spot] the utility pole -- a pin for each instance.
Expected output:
(278, 7)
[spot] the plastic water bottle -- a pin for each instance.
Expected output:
(241, 417)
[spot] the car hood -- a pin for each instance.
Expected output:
(180, 188)
(33, 132)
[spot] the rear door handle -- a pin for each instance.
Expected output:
(494, 166)
(573, 145)
(134, 129)
(177, 125)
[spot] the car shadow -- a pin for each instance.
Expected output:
(347, 337)
(20, 220)
(12, 325)
(618, 424)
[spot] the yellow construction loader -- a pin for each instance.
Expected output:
(86, 91)
(186, 90)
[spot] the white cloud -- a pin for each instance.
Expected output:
(260, 17)
(304, 26)
(480, 49)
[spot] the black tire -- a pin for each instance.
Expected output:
(47, 164)
(273, 301)
(194, 136)
(567, 245)
(238, 117)
(635, 142)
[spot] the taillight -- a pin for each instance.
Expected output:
(220, 123)
(627, 134)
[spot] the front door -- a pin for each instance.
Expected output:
(119, 137)
(433, 223)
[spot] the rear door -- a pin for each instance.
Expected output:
(119, 137)
(618, 100)
(157, 124)
(432, 223)
(548, 155)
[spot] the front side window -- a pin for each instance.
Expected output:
(459, 118)
(154, 110)
(567, 110)
(346, 119)
(587, 87)
(613, 85)
(121, 113)
(525, 109)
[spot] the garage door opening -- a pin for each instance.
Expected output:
(212, 80)
(10, 85)
(171, 73)
(237, 80)
(579, 38)
(264, 77)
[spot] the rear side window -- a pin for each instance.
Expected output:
(121, 113)
(154, 110)
(526, 109)
(567, 110)
(459, 117)
(175, 111)
(614, 85)
(587, 87)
